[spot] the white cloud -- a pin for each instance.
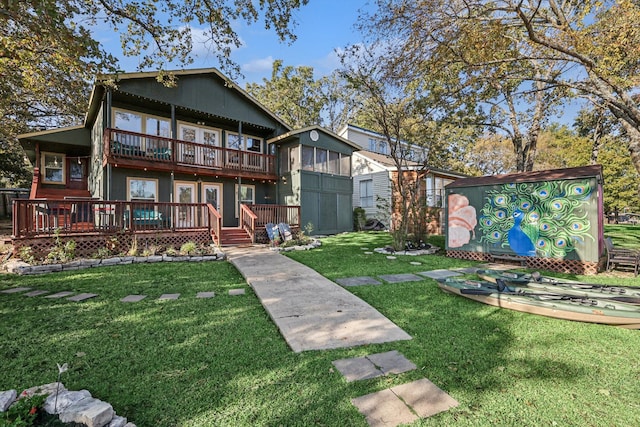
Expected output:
(259, 65)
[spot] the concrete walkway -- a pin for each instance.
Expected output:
(311, 311)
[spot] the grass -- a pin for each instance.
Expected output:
(222, 362)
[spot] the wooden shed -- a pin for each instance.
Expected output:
(551, 220)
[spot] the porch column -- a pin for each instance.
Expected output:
(239, 175)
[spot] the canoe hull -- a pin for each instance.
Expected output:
(553, 308)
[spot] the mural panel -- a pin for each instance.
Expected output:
(551, 219)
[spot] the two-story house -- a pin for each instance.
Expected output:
(374, 172)
(193, 157)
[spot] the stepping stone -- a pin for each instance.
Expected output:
(391, 257)
(169, 296)
(60, 295)
(415, 263)
(368, 253)
(236, 292)
(81, 297)
(392, 362)
(35, 293)
(439, 274)
(365, 249)
(205, 294)
(384, 408)
(14, 290)
(357, 368)
(358, 281)
(424, 397)
(398, 278)
(133, 298)
(373, 365)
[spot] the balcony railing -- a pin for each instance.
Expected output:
(120, 144)
(75, 216)
(276, 214)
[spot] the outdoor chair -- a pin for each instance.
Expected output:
(621, 258)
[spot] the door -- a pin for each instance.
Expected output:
(212, 193)
(185, 192)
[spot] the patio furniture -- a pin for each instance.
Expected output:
(628, 259)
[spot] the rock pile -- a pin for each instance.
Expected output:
(70, 406)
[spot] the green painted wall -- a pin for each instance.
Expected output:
(550, 219)
(205, 92)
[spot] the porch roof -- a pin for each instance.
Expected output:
(74, 140)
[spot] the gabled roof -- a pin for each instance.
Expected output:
(309, 129)
(98, 88)
(544, 175)
(386, 161)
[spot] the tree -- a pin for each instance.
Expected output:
(292, 93)
(48, 54)
(392, 110)
(593, 44)
(492, 154)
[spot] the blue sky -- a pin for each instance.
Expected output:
(322, 27)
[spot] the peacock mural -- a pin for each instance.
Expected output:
(543, 219)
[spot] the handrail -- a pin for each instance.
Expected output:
(276, 214)
(248, 221)
(45, 217)
(215, 222)
(123, 144)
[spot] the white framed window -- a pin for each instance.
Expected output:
(142, 189)
(53, 167)
(246, 143)
(372, 144)
(199, 134)
(247, 195)
(366, 193)
(147, 124)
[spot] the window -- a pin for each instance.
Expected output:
(247, 196)
(246, 143)
(366, 193)
(372, 144)
(131, 121)
(158, 127)
(53, 166)
(307, 158)
(284, 160)
(334, 162)
(142, 190)
(254, 144)
(345, 165)
(321, 160)
(382, 147)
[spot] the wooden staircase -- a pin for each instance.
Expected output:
(234, 237)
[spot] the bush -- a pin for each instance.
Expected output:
(359, 218)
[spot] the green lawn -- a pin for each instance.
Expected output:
(222, 362)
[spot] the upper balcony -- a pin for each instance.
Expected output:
(136, 150)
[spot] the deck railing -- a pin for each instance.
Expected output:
(74, 216)
(276, 214)
(122, 144)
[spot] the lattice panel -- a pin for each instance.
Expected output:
(559, 265)
(88, 245)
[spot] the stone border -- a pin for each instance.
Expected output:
(20, 267)
(314, 244)
(70, 406)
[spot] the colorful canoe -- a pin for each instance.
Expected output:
(559, 306)
(628, 294)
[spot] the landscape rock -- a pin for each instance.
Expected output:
(89, 411)
(17, 266)
(45, 389)
(117, 421)
(110, 261)
(154, 258)
(6, 399)
(45, 268)
(55, 405)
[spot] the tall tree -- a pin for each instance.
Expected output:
(594, 44)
